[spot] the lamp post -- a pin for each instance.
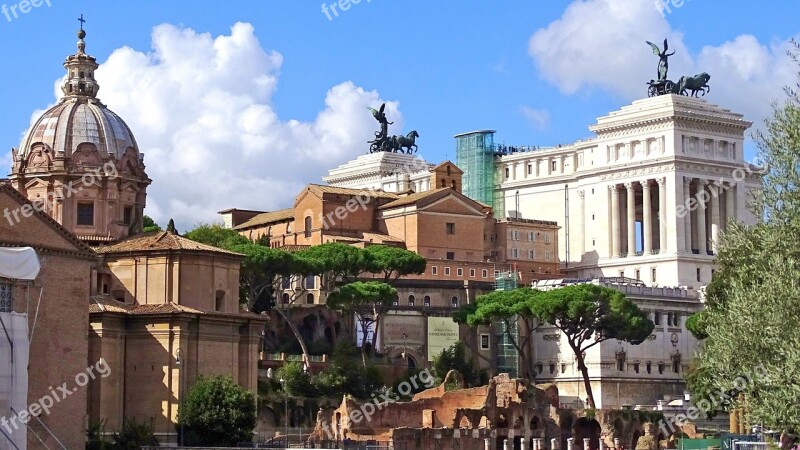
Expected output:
(286, 404)
(178, 354)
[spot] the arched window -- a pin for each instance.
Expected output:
(285, 299)
(453, 184)
(444, 183)
(426, 301)
(411, 300)
(310, 299)
(454, 301)
(448, 171)
(308, 226)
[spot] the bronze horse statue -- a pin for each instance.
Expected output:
(407, 142)
(696, 83)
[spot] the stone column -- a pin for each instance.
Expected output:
(662, 214)
(505, 444)
(730, 202)
(602, 444)
(631, 219)
(570, 443)
(647, 218)
(582, 224)
(687, 219)
(615, 219)
(585, 443)
(522, 443)
(702, 242)
(714, 190)
(553, 444)
(487, 444)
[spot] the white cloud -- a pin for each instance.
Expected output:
(200, 108)
(600, 44)
(538, 118)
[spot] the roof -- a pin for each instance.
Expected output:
(414, 198)
(280, 215)
(448, 163)
(159, 240)
(230, 210)
(474, 132)
(325, 189)
(102, 305)
(81, 246)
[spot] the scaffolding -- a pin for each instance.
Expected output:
(507, 357)
(475, 153)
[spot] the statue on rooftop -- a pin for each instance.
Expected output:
(663, 86)
(385, 143)
(663, 62)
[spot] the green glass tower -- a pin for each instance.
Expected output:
(475, 152)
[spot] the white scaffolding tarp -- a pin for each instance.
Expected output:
(13, 376)
(18, 263)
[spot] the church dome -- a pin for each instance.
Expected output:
(80, 118)
(76, 121)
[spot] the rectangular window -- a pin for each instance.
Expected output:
(127, 215)
(548, 256)
(451, 228)
(531, 254)
(311, 282)
(514, 253)
(530, 169)
(447, 271)
(6, 297)
(657, 318)
(434, 270)
(531, 236)
(484, 342)
(698, 274)
(451, 255)
(507, 173)
(484, 273)
(547, 238)
(514, 235)
(653, 275)
(459, 272)
(676, 365)
(638, 274)
(563, 366)
(472, 273)
(553, 166)
(86, 214)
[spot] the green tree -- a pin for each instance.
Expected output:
(296, 381)
(149, 225)
(588, 315)
(338, 263)
(217, 413)
(264, 273)
(96, 436)
(455, 358)
(134, 436)
(394, 262)
(514, 308)
(346, 376)
(367, 300)
(752, 309)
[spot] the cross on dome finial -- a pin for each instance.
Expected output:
(81, 35)
(81, 20)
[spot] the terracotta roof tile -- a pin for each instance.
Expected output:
(266, 218)
(414, 198)
(102, 305)
(159, 240)
(348, 191)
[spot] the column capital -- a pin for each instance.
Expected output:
(581, 193)
(661, 181)
(613, 188)
(629, 185)
(687, 181)
(645, 184)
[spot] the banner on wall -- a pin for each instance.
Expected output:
(403, 330)
(442, 334)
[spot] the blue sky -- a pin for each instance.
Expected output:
(539, 72)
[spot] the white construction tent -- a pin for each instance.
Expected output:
(16, 265)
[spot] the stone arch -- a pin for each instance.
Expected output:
(619, 428)
(484, 423)
(464, 422)
(535, 423)
(635, 438)
(565, 424)
(586, 428)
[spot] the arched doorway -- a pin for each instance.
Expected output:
(586, 428)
